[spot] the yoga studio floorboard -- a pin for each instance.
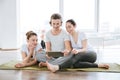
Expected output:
(109, 54)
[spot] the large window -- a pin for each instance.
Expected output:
(82, 11)
(109, 16)
(90, 15)
(34, 15)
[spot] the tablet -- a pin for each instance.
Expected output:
(55, 54)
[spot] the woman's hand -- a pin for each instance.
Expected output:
(48, 57)
(31, 50)
(20, 65)
(40, 50)
(74, 51)
(66, 52)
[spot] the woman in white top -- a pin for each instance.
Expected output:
(83, 54)
(31, 52)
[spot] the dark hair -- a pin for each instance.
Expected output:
(72, 22)
(30, 33)
(55, 16)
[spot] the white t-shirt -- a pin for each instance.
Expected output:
(24, 48)
(57, 41)
(78, 45)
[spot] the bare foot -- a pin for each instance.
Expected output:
(42, 64)
(52, 68)
(19, 65)
(106, 66)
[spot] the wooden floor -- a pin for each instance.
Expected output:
(108, 54)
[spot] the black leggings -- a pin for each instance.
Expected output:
(81, 60)
(42, 44)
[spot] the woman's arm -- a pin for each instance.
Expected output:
(26, 58)
(68, 47)
(83, 49)
(48, 46)
(84, 46)
(23, 55)
(30, 63)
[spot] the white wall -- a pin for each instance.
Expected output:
(8, 24)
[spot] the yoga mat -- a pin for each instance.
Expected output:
(114, 67)
(11, 66)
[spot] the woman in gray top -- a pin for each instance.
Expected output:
(57, 39)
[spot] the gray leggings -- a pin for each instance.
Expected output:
(41, 57)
